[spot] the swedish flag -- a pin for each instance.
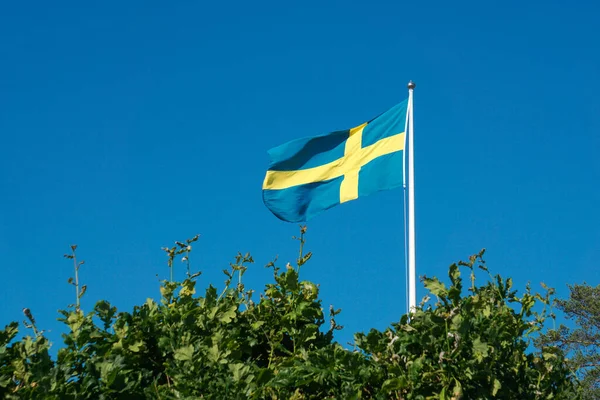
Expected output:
(310, 175)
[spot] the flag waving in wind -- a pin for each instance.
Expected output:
(310, 175)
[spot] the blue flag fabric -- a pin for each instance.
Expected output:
(310, 175)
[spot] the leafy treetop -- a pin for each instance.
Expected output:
(581, 342)
(472, 343)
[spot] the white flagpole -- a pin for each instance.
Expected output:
(412, 284)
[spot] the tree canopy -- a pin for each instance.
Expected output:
(581, 342)
(472, 342)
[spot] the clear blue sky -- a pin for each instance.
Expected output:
(127, 125)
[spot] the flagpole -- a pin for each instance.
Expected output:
(412, 285)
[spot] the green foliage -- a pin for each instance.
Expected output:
(581, 343)
(471, 347)
(230, 345)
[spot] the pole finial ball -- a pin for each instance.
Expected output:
(411, 85)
